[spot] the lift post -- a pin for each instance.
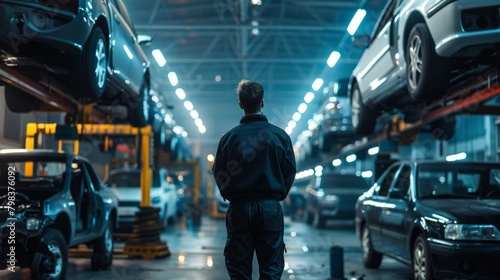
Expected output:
(147, 223)
(33, 140)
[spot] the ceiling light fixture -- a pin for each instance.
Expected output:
(172, 77)
(296, 116)
(317, 84)
(333, 59)
(188, 105)
(194, 114)
(180, 93)
(302, 108)
(160, 59)
(356, 21)
(309, 97)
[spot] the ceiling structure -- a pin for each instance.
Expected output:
(213, 44)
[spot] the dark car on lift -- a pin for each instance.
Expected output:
(56, 201)
(335, 128)
(332, 195)
(89, 46)
(442, 218)
(416, 50)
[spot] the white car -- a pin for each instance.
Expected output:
(415, 50)
(126, 184)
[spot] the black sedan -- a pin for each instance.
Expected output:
(89, 45)
(442, 218)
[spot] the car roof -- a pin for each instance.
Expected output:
(440, 162)
(62, 155)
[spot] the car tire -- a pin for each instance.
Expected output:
(308, 217)
(102, 257)
(164, 217)
(51, 248)
(363, 117)
(19, 101)
(421, 260)
(319, 221)
(427, 73)
(371, 258)
(444, 128)
(92, 66)
(139, 107)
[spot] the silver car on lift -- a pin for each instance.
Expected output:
(415, 49)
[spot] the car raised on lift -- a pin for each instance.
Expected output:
(415, 50)
(90, 46)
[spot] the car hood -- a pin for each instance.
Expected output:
(132, 193)
(485, 211)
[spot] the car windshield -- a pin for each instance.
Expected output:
(29, 173)
(459, 181)
(128, 179)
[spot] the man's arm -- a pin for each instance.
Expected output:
(290, 168)
(218, 161)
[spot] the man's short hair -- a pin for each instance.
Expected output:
(250, 94)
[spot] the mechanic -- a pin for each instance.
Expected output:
(254, 169)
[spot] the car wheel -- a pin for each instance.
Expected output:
(363, 117)
(164, 217)
(139, 107)
(427, 73)
(92, 66)
(444, 128)
(308, 217)
(371, 258)
(102, 257)
(422, 266)
(51, 259)
(19, 101)
(319, 221)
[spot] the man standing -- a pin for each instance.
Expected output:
(254, 169)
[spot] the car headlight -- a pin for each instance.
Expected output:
(155, 200)
(32, 224)
(471, 232)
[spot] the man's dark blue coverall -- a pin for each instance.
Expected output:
(254, 169)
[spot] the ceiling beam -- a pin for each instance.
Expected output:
(257, 60)
(297, 28)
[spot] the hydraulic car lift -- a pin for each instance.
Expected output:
(155, 248)
(463, 98)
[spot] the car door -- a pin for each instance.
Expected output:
(377, 204)
(96, 208)
(119, 50)
(394, 220)
(377, 62)
(135, 55)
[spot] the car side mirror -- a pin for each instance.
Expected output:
(361, 41)
(144, 39)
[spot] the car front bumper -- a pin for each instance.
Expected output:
(465, 260)
(24, 23)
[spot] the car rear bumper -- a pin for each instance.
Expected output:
(464, 260)
(456, 32)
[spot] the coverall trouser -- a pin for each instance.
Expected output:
(254, 225)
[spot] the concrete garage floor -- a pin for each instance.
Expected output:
(196, 253)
